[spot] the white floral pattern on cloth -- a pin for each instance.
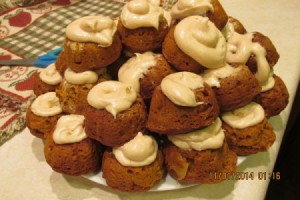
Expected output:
(15, 19)
(16, 83)
(15, 95)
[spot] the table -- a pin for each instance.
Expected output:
(24, 172)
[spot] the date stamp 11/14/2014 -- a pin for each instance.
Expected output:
(245, 175)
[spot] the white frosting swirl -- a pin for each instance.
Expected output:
(50, 75)
(211, 137)
(179, 88)
(69, 129)
(239, 49)
(141, 13)
(46, 105)
(212, 76)
(81, 78)
(199, 38)
(140, 151)
(135, 68)
(97, 29)
(184, 8)
(112, 96)
(246, 116)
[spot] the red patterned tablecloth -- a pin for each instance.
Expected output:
(31, 31)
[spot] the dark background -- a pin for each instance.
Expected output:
(288, 161)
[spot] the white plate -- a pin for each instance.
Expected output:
(167, 184)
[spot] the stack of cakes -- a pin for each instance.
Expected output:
(180, 92)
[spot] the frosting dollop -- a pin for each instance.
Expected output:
(140, 151)
(69, 129)
(86, 77)
(141, 13)
(50, 75)
(212, 76)
(240, 47)
(113, 96)
(46, 105)
(184, 8)
(199, 38)
(179, 88)
(211, 137)
(97, 29)
(135, 68)
(246, 116)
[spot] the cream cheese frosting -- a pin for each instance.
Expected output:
(246, 116)
(211, 137)
(46, 105)
(212, 76)
(69, 129)
(179, 88)
(141, 13)
(97, 29)
(50, 75)
(86, 77)
(140, 151)
(228, 30)
(268, 85)
(113, 96)
(136, 67)
(184, 8)
(200, 39)
(240, 47)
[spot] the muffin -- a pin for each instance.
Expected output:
(194, 44)
(256, 51)
(42, 114)
(142, 26)
(69, 151)
(144, 72)
(47, 80)
(182, 103)
(61, 64)
(277, 90)
(211, 9)
(91, 42)
(135, 166)
(115, 113)
(73, 90)
(247, 129)
(234, 86)
(197, 156)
